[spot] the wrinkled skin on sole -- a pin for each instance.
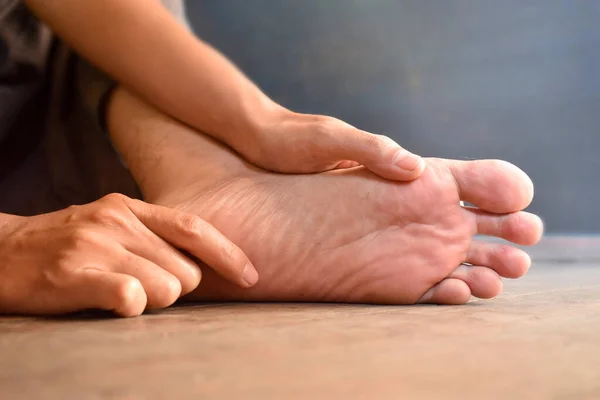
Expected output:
(350, 236)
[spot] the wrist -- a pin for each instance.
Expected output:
(262, 122)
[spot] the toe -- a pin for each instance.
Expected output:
(493, 185)
(483, 282)
(507, 261)
(520, 227)
(450, 291)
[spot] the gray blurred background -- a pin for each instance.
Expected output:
(513, 79)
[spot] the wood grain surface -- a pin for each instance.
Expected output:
(539, 340)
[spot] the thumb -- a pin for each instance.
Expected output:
(380, 154)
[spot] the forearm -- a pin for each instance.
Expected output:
(142, 46)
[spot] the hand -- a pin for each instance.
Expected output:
(114, 254)
(302, 143)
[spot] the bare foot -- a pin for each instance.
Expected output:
(348, 236)
(345, 236)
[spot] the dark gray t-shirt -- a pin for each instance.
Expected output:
(24, 47)
(53, 152)
(3, 53)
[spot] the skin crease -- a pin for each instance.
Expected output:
(148, 50)
(113, 254)
(344, 235)
(366, 234)
(381, 255)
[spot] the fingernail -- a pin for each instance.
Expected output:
(250, 275)
(407, 160)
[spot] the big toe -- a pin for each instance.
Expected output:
(493, 185)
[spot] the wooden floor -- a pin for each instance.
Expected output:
(539, 340)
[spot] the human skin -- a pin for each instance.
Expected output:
(116, 254)
(145, 48)
(341, 236)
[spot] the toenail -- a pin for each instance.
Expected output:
(407, 160)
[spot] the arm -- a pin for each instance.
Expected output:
(141, 45)
(114, 254)
(145, 48)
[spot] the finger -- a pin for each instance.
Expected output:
(507, 261)
(346, 164)
(380, 154)
(492, 185)
(520, 227)
(483, 282)
(96, 289)
(449, 291)
(199, 238)
(161, 287)
(164, 255)
(136, 238)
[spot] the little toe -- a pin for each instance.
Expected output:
(506, 260)
(483, 282)
(449, 291)
(493, 185)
